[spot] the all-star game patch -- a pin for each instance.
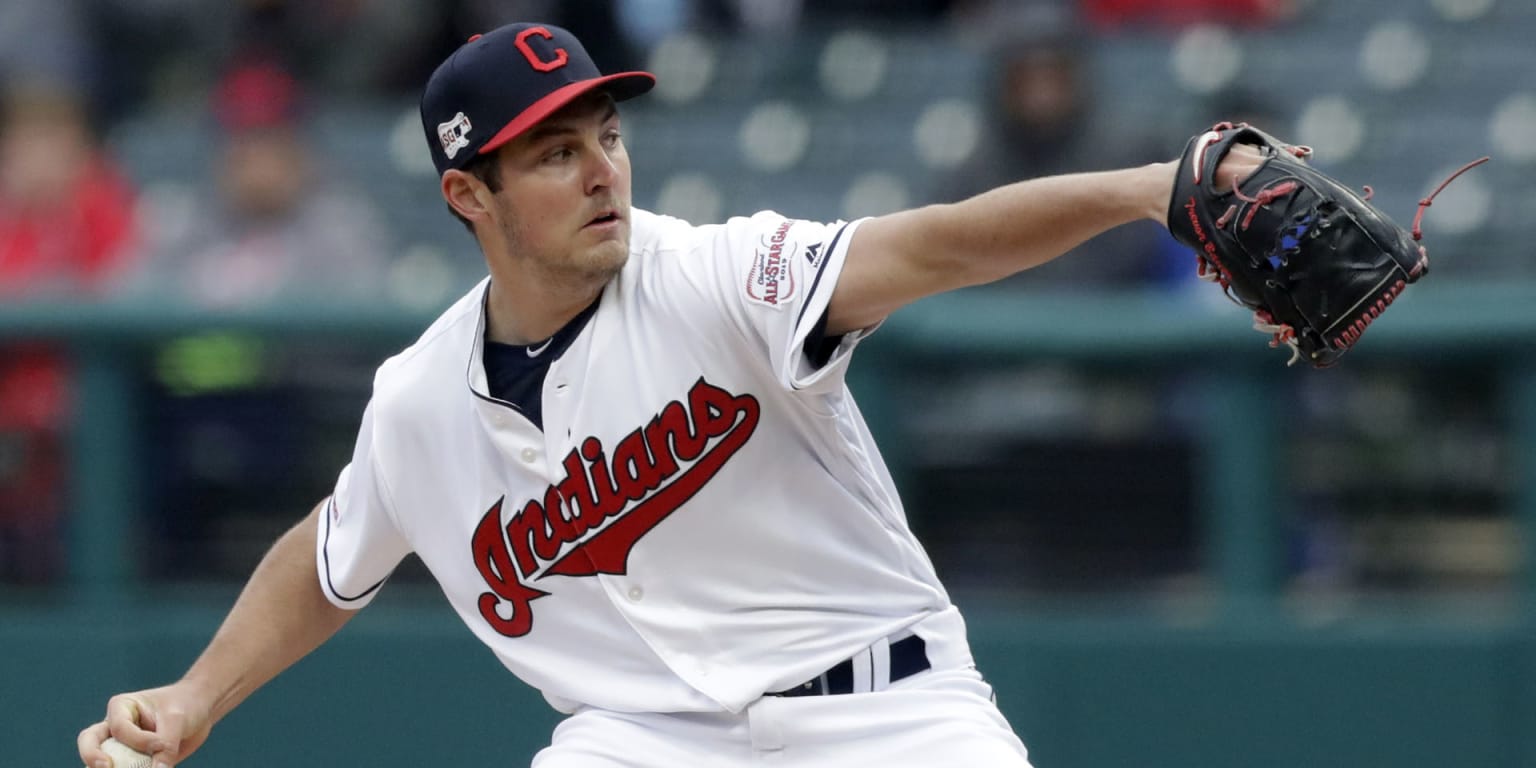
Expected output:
(772, 278)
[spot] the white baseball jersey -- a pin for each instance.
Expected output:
(704, 516)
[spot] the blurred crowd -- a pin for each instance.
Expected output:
(274, 221)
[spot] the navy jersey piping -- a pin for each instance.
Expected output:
(819, 272)
(325, 552)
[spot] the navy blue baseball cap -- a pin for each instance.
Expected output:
(501, 83)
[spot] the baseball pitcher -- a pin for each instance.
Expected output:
(630, 458)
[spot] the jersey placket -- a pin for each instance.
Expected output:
(626, 593)
(560, 399)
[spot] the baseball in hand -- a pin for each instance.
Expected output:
(124, 756)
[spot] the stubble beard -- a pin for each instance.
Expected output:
(578, 268)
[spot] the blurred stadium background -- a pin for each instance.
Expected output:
(1174, 551)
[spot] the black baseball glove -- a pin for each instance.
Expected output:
(1313, 259)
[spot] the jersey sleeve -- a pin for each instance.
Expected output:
(774, 277)
(358, 544)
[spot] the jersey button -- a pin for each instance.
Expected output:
(529, 455)
(635, 593)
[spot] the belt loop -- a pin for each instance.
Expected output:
(880, 658)
(863, 672)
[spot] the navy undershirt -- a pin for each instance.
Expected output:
(514, 373)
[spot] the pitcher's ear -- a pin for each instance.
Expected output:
(466, 195)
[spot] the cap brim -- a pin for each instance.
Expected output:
(624, 85)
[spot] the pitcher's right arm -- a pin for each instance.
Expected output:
(280, 617)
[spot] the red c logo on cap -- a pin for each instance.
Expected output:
(533, 58)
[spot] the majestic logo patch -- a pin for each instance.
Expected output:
(454, 134)
(813, 255)
(588, 522)
(772, 279)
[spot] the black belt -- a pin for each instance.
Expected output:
(909, 656)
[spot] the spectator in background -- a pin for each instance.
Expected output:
(66, 212)
(278, 226)
(1038, 107)
(66, 229)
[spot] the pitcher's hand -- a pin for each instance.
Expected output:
(167, 723)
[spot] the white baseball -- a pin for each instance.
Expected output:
(124, 756)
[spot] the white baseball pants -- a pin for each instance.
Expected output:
(931, 720)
